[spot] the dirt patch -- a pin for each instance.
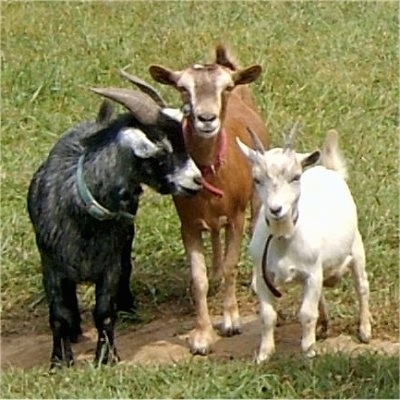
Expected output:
(165, 341)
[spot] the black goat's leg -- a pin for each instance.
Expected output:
(105, 315)
(125, 299)
(71, 300)
(60, 318)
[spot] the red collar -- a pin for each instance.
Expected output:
(219, 159)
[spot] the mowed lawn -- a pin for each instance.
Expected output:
(332, 64)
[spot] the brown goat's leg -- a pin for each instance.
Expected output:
(255, 205)
(217, 268)
(234, 234)
(203, 336)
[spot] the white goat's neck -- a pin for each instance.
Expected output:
(283, 228)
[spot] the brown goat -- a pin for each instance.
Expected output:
(217, 111)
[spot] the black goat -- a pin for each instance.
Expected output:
(82, 201)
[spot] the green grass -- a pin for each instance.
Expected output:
(334, 64)
(327, 377)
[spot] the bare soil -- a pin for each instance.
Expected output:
(165, 341)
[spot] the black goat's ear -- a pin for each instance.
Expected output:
(105, 113)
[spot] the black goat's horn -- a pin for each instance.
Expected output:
(144, 87)
(138, 103)
(256, 140)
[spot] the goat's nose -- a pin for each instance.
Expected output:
(275, 210)
(207, 117)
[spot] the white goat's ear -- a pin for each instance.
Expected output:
(308, 159)
(247, 151)
(138, 142)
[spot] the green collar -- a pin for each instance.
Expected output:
(95, 209)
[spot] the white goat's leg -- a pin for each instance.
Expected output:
(308, 313)
(203, 336)
(362, 288)
(322, 318)
(268, 318)
(234, 234)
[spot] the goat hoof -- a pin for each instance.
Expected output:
(201, 341)
(200, 351)
(364, 337)
(57, 364)
(129, 315)
(231, 331)
(261, 358)
(310, 353)
(129, 307)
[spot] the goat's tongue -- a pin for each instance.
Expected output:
(212, 189)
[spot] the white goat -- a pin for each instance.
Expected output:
(306, 231)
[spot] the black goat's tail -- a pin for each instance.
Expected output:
(105, 113)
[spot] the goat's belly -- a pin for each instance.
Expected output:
(209, 212)
(211, 224)
(334, 271)
(84, 272)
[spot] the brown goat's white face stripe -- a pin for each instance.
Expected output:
(202, 87)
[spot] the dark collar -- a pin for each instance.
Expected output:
(267, 281)
(95, 209)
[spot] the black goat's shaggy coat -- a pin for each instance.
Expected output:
(76, 247)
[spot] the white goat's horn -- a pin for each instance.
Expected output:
(256, 140)
(144, 87)
(291, 136)
(138, 103)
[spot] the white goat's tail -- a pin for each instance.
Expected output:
(331, 156)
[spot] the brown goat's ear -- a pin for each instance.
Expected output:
(163, 75)
(247, 75)
(222, 57)
(308, 159)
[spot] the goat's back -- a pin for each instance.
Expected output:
(327, 223)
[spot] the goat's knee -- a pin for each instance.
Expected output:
(308, 318)
(231, 325)
(268, 318)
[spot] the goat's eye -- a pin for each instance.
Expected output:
(296, 178)
(257, 181)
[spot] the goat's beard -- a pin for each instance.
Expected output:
(283, 227)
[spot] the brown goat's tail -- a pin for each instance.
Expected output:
(331, 156)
